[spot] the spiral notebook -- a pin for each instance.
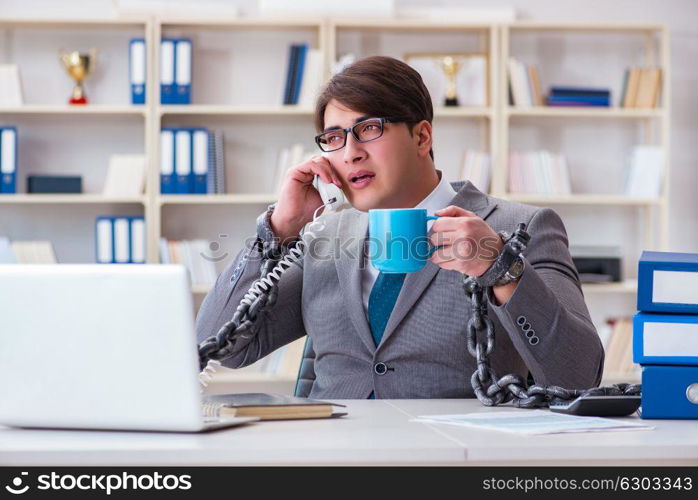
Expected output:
(268, 407)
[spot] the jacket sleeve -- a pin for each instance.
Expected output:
(548, 305)
(281, 324)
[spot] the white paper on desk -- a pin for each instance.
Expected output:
(533, 422)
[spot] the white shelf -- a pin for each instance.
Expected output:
(243, 22)
(582, 199)
(57, 199)
(72, 23)
(624, 287)
(463, 111)
(406, 24)
(66, 109)
(571, 26)
(583, 112)
(214, 109)
(217, 199)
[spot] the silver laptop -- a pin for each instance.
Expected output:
(100, 347)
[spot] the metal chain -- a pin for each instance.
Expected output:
(243, 325)
(492, 390)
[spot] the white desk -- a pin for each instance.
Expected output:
(376, 432)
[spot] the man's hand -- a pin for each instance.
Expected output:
(468, 245)
(298, 199)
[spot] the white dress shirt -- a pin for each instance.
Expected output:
(439, 198)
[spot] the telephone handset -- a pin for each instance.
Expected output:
(332, 196)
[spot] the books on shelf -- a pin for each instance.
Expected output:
(618, 362)
(8, 160)
(578, 96)
(125, 176)
(175, 70)
(287, 158)
(283, 363)
(26, 252)
(192, 161)
(192, 254)
(120, 240)
(267, 406)
(303, 75)
(10, 86)
(665, 337)
(641, 88)
(524, 84)
(538, 172)
(644, 172)
(476, 168)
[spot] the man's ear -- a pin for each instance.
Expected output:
(422, 133)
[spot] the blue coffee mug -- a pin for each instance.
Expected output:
(398, 240)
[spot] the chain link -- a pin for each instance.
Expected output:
(243, 325)
(489, 388)
(492, 390)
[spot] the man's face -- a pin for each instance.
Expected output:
(375, 174)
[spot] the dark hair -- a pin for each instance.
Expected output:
(379, 86)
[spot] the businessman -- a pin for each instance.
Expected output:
(382, 336)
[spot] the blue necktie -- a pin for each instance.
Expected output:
(381, 302)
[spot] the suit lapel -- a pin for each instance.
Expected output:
(353, 224)
(469, 198)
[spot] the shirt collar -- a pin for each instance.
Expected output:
(440, 197)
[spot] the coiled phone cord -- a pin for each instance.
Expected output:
(260, 297)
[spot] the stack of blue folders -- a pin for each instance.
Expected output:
(665, 334)
(191, 161)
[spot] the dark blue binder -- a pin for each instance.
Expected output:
(8, 160)
(137, 70)
(670, 392)
(290, 74)
(107, 242)
(665, 339)
(183, 183)
(167, 161)
(167, 71)
(183, 73)
(298, 76)
(200, 160)
(668, 282)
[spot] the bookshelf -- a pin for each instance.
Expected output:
(225, 97)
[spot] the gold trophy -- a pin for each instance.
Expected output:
(450, 66)
(78, 66)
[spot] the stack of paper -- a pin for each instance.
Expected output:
(533, 422)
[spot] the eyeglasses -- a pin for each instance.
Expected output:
(364, 131)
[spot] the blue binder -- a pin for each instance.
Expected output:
(182, 65)
(670, 392)
(290, 73)
(298, 77)
(665, 339)
(199, 160)
(167, 71)
(167, 161)
(183, 159)
(668, 282)
(137, 240)
(137, 70)
(8, 160)
(104, 240)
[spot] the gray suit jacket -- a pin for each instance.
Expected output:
(424, 343)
